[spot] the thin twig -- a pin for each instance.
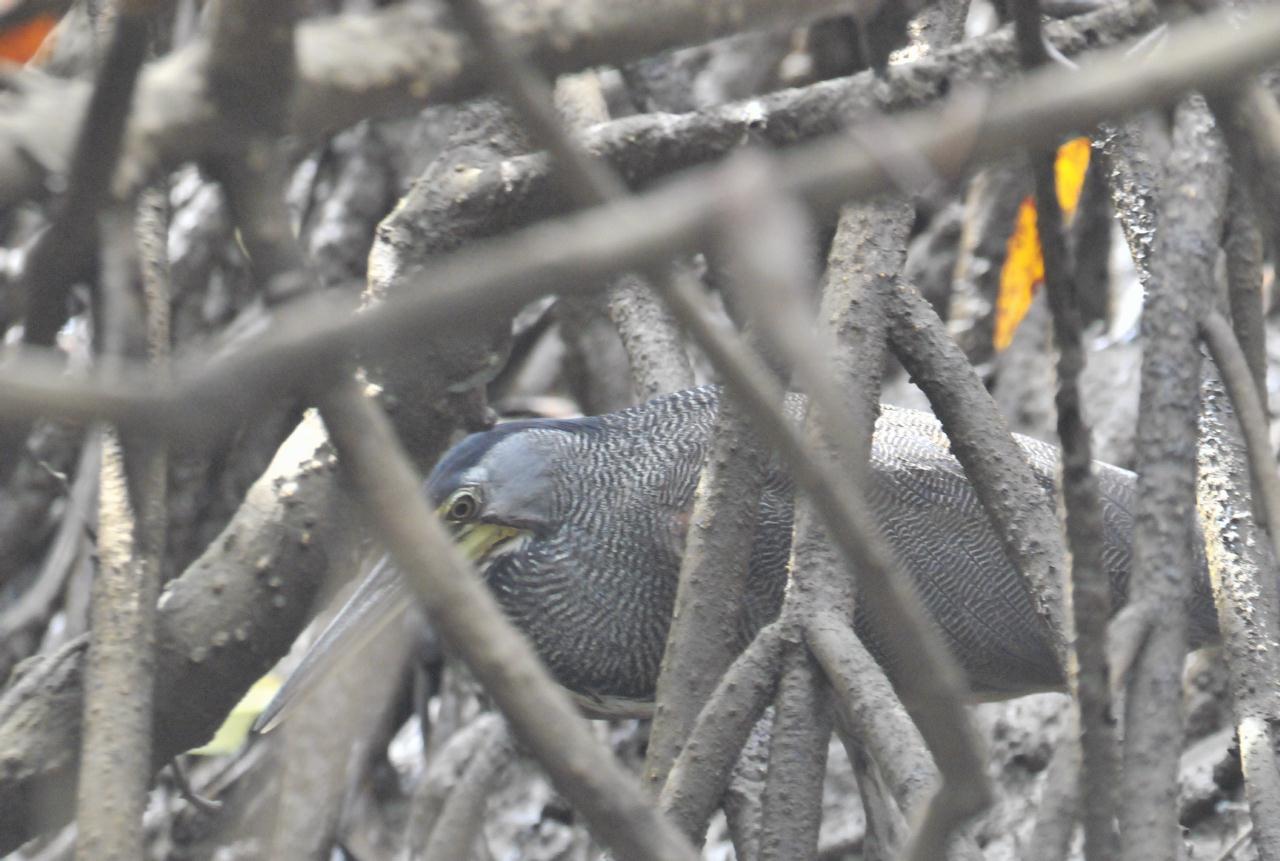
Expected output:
(743, 796)
(1228, 852)
(445, 767)
(62, 253)
(459, 824)
(35, 605)
(992, 199)
(1244, 246)
(251, 72)
(994, 463)
(1090, 585)
(701, 772)
(115, 760)
(590, 182)
(207, 806)
(791, 807)
(1249, 119)
(886, 829)
(765, 250)
(866, 253)
(869, 711)
(653, 345)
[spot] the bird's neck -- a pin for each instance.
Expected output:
(599, 624)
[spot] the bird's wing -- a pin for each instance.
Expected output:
(940, 533)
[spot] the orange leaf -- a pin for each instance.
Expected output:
(1023, 268)
(1068, 172)
(19, 44)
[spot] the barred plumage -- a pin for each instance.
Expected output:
(605, 499)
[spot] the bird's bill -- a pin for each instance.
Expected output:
(381, 598)
(478, 540)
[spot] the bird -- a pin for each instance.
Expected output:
(577, 526)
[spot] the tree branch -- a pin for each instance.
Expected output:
(1243, 573)
(993, 462)
(701, 772)
(232, 614)
(444, 769)
(642, 149)
(934, 691)
(63, 253)
(1249, 120)
(460, 822)
(119, 681)
(588, 183)
(1191, 212)
(388, 63)
(655, 350)
(1245, 248)
(704, 636)
(1090, 585)
(1236, 376)
(791, 807)
(578, 252)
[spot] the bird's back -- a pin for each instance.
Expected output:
(941, 535)
(944, 542)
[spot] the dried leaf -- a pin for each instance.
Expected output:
(19, 43)
(1023, 268)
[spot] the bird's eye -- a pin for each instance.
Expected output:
(463, 506)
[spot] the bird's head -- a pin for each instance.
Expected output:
(500, 489)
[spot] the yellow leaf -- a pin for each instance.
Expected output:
(1023, 268)
(235, 729)
(1069, 169)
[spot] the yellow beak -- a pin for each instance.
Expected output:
(478, 539)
